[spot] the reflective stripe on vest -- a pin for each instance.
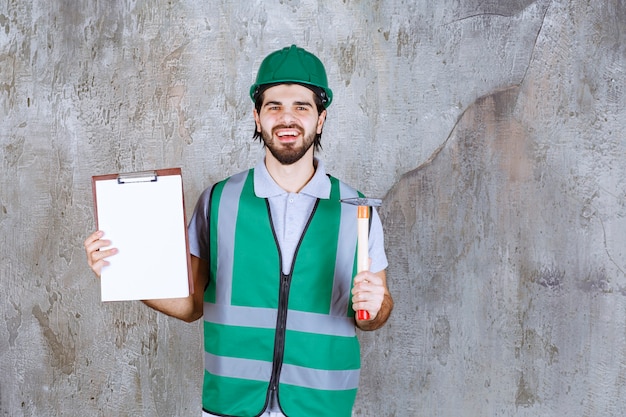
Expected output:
(253, 365)
(266, 318)
(290, 374)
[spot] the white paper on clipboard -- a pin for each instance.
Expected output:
(143, 215)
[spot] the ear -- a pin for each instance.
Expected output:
(257, 120)
(320, 121)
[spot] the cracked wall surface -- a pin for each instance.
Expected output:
(495, 131)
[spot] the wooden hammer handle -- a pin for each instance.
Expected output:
(363, 249)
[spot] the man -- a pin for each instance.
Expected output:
(274, 250)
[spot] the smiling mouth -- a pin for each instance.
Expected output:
(287, 133)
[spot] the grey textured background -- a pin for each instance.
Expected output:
(494, 130)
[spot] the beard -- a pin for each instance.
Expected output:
(288, 153)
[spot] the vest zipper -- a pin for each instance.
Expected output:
(281, 328)
(283, 303)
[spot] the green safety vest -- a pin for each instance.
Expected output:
(267, 332)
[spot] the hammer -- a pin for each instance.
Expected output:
(363, 214)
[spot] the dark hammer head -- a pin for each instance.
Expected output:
(363, 201)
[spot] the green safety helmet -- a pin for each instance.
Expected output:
(293, 65)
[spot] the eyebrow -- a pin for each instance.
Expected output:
(296, 103)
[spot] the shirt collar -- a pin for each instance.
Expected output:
(265, 186)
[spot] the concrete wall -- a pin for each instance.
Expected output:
(495, 131)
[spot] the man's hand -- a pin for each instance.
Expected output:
(370, 293)
(96, 258)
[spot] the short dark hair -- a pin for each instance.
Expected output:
(319, 104)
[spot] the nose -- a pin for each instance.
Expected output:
(287, 117)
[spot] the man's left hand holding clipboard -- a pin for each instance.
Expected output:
(145, 255)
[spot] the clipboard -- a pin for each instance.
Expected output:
(143, 214)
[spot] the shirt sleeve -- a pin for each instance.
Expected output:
(198, 229)
(377, 244)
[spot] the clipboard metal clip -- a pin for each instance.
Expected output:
(140, 176)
